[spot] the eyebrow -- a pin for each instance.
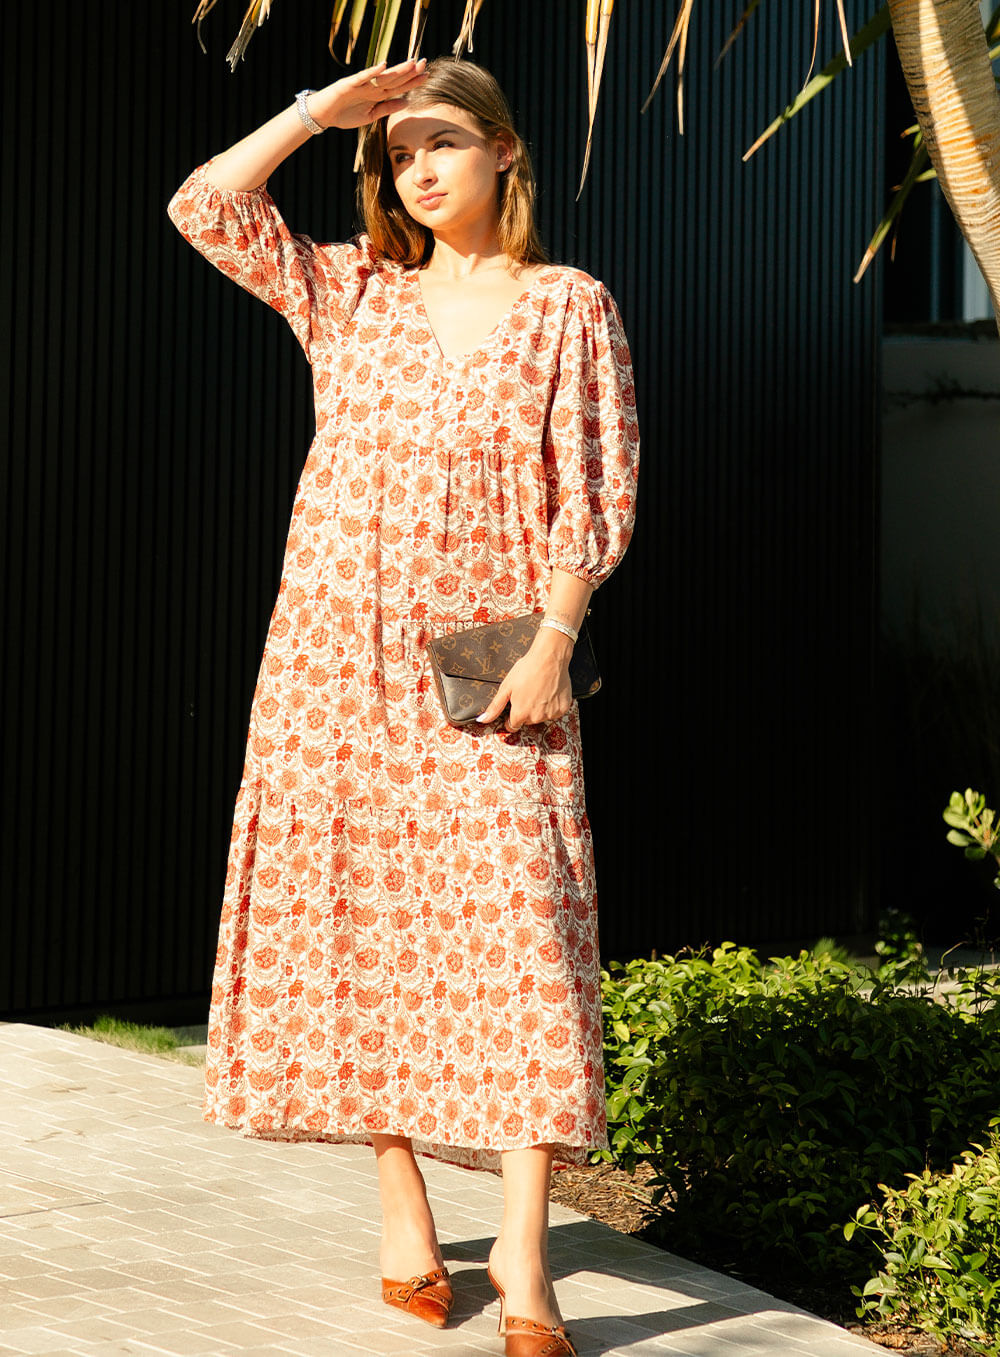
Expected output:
(403, 146)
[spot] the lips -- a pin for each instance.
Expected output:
(430, 199)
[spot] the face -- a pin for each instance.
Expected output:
(444, 169)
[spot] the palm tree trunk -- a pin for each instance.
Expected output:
(945, 59)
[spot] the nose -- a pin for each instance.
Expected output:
(423, 171)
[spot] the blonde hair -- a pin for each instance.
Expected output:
(471, 88)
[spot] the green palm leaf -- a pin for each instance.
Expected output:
(383, 30)
(865, 37)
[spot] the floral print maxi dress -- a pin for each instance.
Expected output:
(408, 941)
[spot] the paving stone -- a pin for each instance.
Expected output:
(29, 1340)
(96, 1328)
(129, 1226)
(190, 1344)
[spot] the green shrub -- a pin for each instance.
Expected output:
(771, 1100)
(899, 949)
(941, 1251)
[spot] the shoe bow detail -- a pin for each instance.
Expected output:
(422, 1297)
(528, 1338)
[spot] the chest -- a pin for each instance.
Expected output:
(385, 372)
(464, 315)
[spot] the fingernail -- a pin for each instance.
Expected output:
(482, 716)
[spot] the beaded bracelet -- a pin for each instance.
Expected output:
(564, 627)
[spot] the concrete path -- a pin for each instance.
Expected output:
(129, 1226)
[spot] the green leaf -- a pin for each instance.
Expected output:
(862, 40)
(383, 30)
(617, 1101)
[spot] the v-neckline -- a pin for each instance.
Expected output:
(488, 339)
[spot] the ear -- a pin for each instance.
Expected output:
(504, 154)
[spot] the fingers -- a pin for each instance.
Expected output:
(496, 706)
(393, 78)
(385, 107)
(368, 74)
(518, 717)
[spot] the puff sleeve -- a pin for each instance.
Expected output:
(591, 446)
(315, 287)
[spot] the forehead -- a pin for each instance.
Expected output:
(411, 127)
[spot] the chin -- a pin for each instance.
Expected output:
(421, 216)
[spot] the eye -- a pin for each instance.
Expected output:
(443, 141)
(400, 156)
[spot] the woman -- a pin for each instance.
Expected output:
(408, 950)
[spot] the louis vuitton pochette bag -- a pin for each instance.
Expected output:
(469, 666)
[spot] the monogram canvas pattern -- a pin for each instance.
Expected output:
(469, 666)
(408, 940)
(489, 655)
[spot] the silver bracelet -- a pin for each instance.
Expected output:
(564, 627)
(300, 107)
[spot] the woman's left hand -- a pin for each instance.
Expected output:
(538, 687)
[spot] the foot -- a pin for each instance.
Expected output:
(527, 1284)
(409, 1248)
(409, 1240)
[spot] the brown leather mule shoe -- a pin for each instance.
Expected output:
(528, 1338)
(429, 1297)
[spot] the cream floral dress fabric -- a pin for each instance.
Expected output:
(409, 933)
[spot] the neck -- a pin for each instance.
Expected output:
(458, 256)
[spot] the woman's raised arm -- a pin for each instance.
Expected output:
(351, 102)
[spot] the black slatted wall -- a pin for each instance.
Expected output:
(158, 419)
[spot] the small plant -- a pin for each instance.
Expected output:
(829, 947)
(972, 827)
(900, 951)
(940, 1244)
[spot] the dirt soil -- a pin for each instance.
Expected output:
(621, 1200)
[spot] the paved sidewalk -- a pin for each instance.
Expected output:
(129, 1226)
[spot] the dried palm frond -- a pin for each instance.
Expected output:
(744, 19)
(817, 4)
(354, 26)
(197, 19)
(417, 26)
(463, 43)
(252, 20)
(336, 19)
(678, 39)
(845, 36)
(597, 25)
